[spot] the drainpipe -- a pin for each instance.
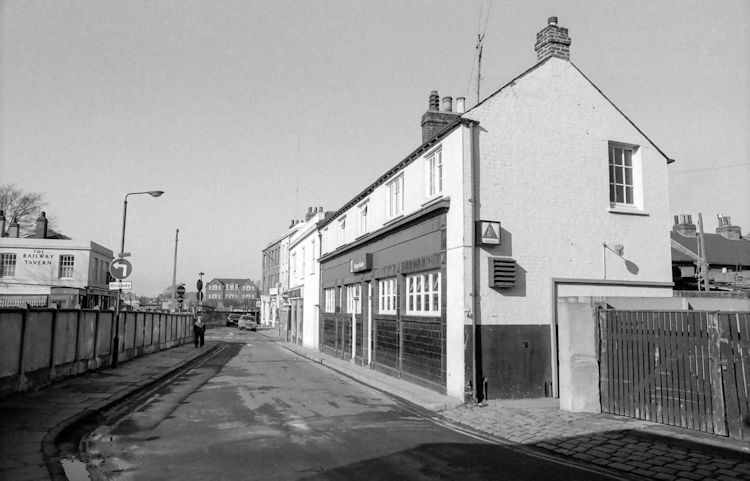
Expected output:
(475, 307)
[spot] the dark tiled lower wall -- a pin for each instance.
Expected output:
(424, 350)
(386, 343)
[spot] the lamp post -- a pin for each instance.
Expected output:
(116, 352)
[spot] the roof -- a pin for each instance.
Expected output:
(719, 249)
(227, 280)
(515, 80)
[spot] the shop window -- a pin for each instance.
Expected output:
(387, 296)
(423, 294)
(353, 299)
(330, 295)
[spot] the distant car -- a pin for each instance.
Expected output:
(247, 321)
(233, 319)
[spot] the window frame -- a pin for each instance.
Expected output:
(362, 218)
(341, 231)
(66, 264)
(330, 299)
(354, 299)
(624, 175)
(434, 162)
(420, 292)
(8, 269)
(395, 190)
(388, 295)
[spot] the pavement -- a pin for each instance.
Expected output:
(617, 447)
(32, 421)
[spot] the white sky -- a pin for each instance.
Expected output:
(209, 101)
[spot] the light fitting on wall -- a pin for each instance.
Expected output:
(618, 249)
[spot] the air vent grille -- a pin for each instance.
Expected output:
(502, 272)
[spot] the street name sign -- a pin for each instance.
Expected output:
(120, 269)
(124, 285)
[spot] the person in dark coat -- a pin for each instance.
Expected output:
(199, 331)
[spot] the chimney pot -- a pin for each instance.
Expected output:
(683, 225)
(447, 104)
(460, 104)
(434, 103)
(552, 21)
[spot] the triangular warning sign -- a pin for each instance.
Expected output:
(489, 233)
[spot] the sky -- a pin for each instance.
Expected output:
(248, 112)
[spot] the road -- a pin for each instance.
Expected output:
(257, 411)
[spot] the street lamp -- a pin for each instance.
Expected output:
(152, 193)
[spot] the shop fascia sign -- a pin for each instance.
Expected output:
(360, 263)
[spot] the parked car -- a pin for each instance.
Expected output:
(233, 319)
(247, 321)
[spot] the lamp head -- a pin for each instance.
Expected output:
(155, 193)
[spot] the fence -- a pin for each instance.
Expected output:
(43, 345)
(681, 368)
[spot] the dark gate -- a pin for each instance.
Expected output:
(683, 368)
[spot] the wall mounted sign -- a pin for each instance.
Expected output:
(360, 263)
(488, 232)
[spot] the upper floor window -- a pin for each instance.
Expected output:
(623, 188)
(302, 272)
(66, 266)
(313, 255)
(363, 218)
(293, 261)
(423, 294)
(387, 296)
(7, 265)
(342, 231)
(396, 196)
(435, 173)
(324, 240)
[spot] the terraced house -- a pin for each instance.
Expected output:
(226, 292)
(446, 270)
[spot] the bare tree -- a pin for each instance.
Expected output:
(24, 207)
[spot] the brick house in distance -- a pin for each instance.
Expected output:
(227, 292)
(543, 190)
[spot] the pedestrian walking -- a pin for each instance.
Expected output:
(199, 331)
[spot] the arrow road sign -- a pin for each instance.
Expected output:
(120, 269)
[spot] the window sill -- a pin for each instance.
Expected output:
(432, 200)
(393, 220)
(628, 211)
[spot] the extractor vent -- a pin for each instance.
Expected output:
(502, 272)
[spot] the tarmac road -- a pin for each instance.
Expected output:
(255, 411)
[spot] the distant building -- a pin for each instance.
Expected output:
(270, 298)
(232, 293)
(48, 268)
(726, 251)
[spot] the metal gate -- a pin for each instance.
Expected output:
(682, 368)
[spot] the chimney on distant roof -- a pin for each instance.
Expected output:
(683, 225)
(41, 226)
(726, 229)
(2, 223)
(14, 229)
(310, 213)
(552, 41)
(435, 120)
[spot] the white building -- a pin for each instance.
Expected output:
(447, 269)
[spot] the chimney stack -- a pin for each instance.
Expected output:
(435, 120)
(41, 226)
(552, 41)
(683, 225)
(2, 223)
(14, 229)
(727, 230)
(310, 213)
